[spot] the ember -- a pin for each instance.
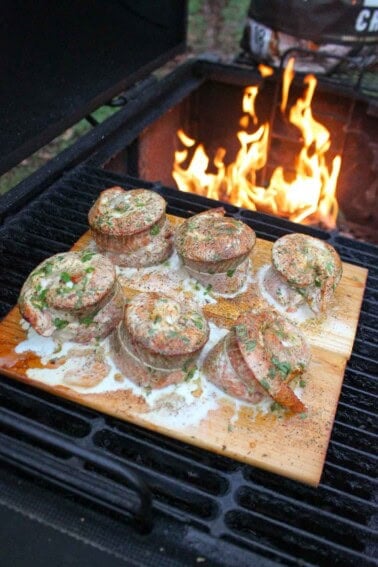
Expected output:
(307, 196)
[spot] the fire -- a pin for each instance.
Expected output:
(309, 195)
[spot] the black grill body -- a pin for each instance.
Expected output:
(62, 60)
(92, 477)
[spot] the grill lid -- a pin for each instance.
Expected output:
(61, 60)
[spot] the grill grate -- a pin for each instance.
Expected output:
(237, 505)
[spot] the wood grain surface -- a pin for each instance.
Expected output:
(291, 445)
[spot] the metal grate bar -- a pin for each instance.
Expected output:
(28, 429)
(317, 547)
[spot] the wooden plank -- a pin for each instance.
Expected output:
(290, 445)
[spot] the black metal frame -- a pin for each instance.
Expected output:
(95, 50)
(348, 74)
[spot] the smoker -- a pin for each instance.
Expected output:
(82, 487)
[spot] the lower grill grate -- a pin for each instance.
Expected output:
(258, 512)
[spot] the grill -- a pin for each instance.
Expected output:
(81, 486)
(146, 498)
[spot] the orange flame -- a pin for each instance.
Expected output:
(265, 70)
(308, 197)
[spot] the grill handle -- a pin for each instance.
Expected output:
(22, 425)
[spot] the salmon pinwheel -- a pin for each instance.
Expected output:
(304, 270)
(215, 249)
(131, 227)
(73, 296)
(159, 340)
(260, 355)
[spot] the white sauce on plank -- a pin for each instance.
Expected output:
(169, 278)
(300, 315)
(42, 346)
(177, 406)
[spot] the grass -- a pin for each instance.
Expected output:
(43, 155)
(216, 26)
(213, 25)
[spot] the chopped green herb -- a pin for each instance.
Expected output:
(87, 320)
(271, 373)
(275, 406)
(230, 273)
(121, 208)
(318, 282)
(58, 348)
(230, 427)
(241, 331)
(329, 267)
(281, 334)
(154, 230)
(173, 334)
(42, 295)
(208, 289)
(89, 270)
(283, 367)
(45, 270)
(39, 300)
(302, 383)
(303, 415)
(148, 390)
(60, 323)
(198, 323)
(250, 346)
(87, 256)
(157, 319)
(265, 384)
(190, 374)
(65, 277)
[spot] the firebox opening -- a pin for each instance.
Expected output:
(213, 114)
(210, 115)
